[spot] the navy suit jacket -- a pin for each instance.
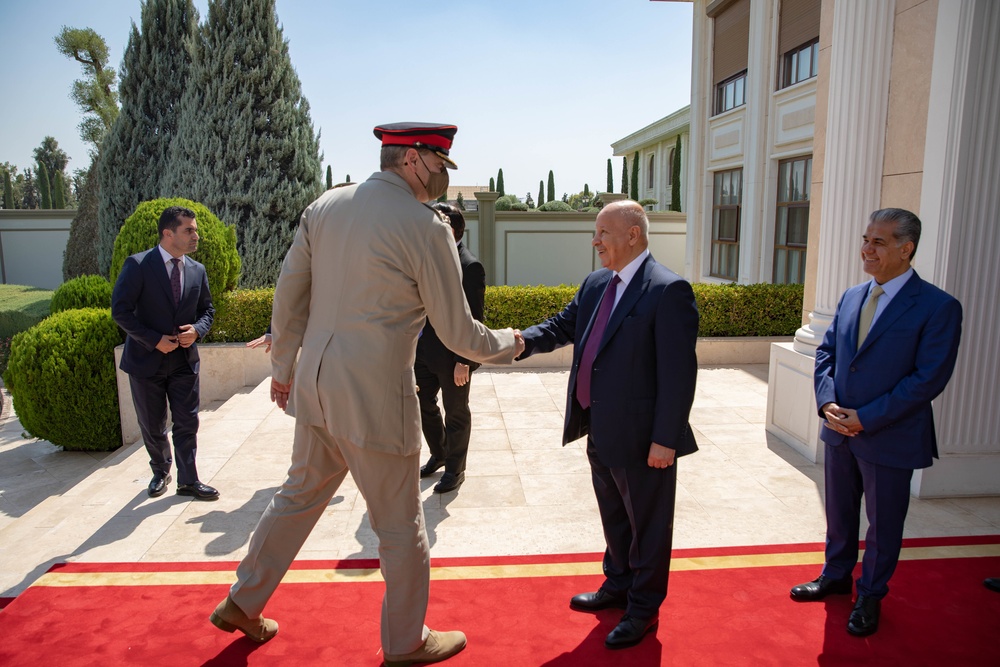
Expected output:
(644, 375)
(142, 304)
(905, 362)
(430, 349)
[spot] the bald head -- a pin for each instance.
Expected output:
(621, 235)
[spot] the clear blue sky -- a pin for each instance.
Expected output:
(531, 85)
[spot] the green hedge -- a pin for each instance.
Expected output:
(82, 292)
(726, 310)
(62, 379)
(21, 307)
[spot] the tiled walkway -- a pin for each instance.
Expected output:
(524, 493)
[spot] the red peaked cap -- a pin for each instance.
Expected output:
(431, 136)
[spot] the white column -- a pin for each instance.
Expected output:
(860, 60)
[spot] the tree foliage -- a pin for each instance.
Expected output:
(58, 191)
(80, 256)
(8, 191)
(675, 178)
(44, 188)
(541, 193)
(500, 183)
(460, 202)
(329, 177)
(95, 94)
(29, 191)
(634, 190)
(611, 178)
(493, 187)
(552, 187)
(624, 176)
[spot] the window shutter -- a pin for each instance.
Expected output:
(732, 40)
(799, 24)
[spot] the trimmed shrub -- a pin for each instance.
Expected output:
(748, 310)
(510, 203)
(241, 315)
(61, 376)
(82, 292)
(521, 306)
(21, 308)
(216, 246)
(555, 205)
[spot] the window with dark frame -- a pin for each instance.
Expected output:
(791, 226)
(731, 93)
(730, 52)
(670, 168)
(800, 64)
(649, 179)
(798, 41)
(727, 196)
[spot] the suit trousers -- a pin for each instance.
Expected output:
(637, 512)
(390, 485)
(174, 383)
(886, 492)
(448, 438)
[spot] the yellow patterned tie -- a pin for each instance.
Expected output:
(868, 313)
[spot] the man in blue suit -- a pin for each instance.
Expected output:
(633, 325)
(889, 352)
(161, 300)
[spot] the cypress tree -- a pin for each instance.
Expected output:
(154, 74)
(460, 202)
(493, 187)
(44, 187)
(58, 191)
(8, 191)
(634, 191)
(500, 183)
(329, 177)
(586, 190)
(541, 193)
(245, 144)
(675, 178)
(80, 257)
(29, 198)
(624, 176)
(611, 178)
(552, 187)
(348, 179)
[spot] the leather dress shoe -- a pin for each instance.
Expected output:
(630, 631)
(599, 599)
(449, 482)
(993, 583)
(158, 485)
(227, 616)
(864, 618)
(198, 490)
(431, 467)
(437, 647)
(820, 587)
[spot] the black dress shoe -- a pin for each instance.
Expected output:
(449, 482)
(431, 467)
(158, 485)
(820, 587)
(598, 600)
(864, 618)
(630, 631)
(993, 583)
(198, 490)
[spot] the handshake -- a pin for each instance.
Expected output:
(518, 343)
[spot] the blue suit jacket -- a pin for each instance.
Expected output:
(142, 304)
(644, 375)
(905, 362)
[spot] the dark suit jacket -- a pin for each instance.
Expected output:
(644, 375)
(430, 349)
(142, 304)
(904, 363)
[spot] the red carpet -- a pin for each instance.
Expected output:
(726, 607)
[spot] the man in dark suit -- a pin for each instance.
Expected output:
(889, 352)
(634, 325)
(161, 300)
(439, 369)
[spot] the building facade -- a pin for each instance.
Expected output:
(657, 147)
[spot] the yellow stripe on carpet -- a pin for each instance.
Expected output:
(459, 572)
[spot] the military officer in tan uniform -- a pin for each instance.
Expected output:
(369, 265)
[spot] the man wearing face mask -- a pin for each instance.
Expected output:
(369, 265)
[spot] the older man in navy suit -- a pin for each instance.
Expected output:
(889, 352)
(162, 302)
(634, 325)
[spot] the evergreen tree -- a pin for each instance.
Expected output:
(29, 198)
(58, 191)
(95, 94)
(528, 201)
(541, 193)
(611, 178)
(245, 144)
(634, 191)
(348, 179)
(675, 178)
(53, 157)
(460, 202)
(624, 176)
(329, 177)
(500, 183)
(586, 190)
(493, 187)
(154, 75)
(552, 187)
(80, 256)
(8, 191)
(44, 187)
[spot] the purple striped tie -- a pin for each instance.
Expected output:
(593, 342)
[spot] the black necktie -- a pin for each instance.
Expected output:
(594, 341)
(175, 280)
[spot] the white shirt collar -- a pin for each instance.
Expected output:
(632, 268)
(166, 256)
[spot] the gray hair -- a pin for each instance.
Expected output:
(907, 225)
(392, 156)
